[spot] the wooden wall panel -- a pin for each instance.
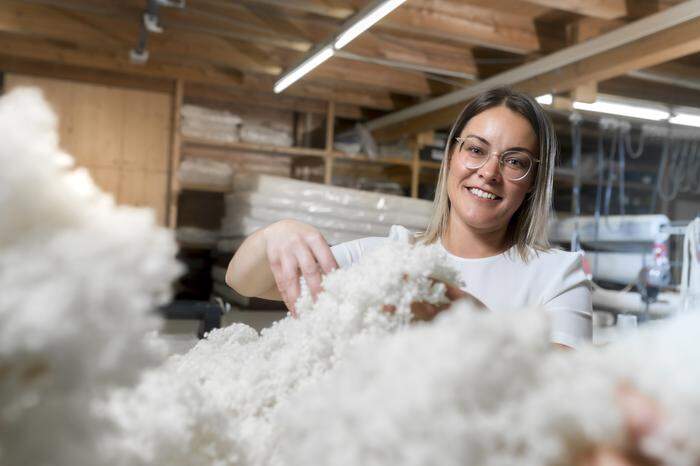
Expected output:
(122, 136)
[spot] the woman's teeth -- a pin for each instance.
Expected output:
(482, 194)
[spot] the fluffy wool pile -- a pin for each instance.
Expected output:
(488, 389)
(214, 404)
(78, 279)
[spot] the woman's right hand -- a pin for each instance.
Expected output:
(296, 250)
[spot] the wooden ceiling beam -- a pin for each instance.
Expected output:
(326, 89)
(338, 11)
(462, 23)
(83, 74)
(374, 76)
(676, 37)
(631, 87)
(604, 9)
(45, 50)
(216, 96)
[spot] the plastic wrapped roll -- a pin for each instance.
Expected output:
(266, 216)
(244, 201)
(246, 226)
(204, 172)
(314, 192)
(617, 267)
(613, 228)
(631, 302)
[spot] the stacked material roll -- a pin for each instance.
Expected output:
(266, 132)
(242, 160)
(206, 123)
(341, 214)
(199, 173)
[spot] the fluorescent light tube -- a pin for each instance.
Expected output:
(366, 22)
(307, 65)
(616, 108)
(686, 119)
(545, 99)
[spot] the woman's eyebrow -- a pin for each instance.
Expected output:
(521, 149)
(479, 138)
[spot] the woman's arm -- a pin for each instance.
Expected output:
(271, 261)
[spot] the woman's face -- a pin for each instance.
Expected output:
(494, 130)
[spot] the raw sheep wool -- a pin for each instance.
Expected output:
(213, 405)
(79, 278)
(487, 389)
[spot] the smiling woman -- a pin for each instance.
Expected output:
(491, 212)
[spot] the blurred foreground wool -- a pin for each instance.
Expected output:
(79, 278)
(489, 389)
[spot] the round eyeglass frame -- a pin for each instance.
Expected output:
(461, 141)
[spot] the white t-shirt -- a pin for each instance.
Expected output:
(552, 280)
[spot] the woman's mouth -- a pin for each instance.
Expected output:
(483, 195)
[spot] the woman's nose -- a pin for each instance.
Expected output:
(491, 169)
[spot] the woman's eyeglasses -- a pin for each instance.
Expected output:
(514, 164)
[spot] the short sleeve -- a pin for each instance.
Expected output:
(569, 302)
(350, 252)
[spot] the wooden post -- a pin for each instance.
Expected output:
(174, 160)
(415, 167)
(330, 130)
(425, 138)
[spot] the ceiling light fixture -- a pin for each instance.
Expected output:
(352, 28)
(545, 99)
(304, 67)
(685, 119)
(365, 20)
(604, 105)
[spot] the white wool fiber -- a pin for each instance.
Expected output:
(213, 405)
(346, 383)
(79, 278)
(488, 389)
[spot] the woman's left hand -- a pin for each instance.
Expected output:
(423, 311)
(642, 416)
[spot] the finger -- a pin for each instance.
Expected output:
(605, 456)
(273, 258)
(642, 414)
(309, 269)
(423, 311)
(290, 280)
(454, 293)
(322, 252)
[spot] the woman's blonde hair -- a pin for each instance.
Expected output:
(527, 229)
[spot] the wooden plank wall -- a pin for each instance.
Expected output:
(122, 136)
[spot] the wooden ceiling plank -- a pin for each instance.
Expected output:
(84, 74)
(218, 95)
(36, 49)
(121, 34)
(461, 23)
(308, 6)
(604, 9)
(20, 18)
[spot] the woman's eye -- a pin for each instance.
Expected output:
(475, 150)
